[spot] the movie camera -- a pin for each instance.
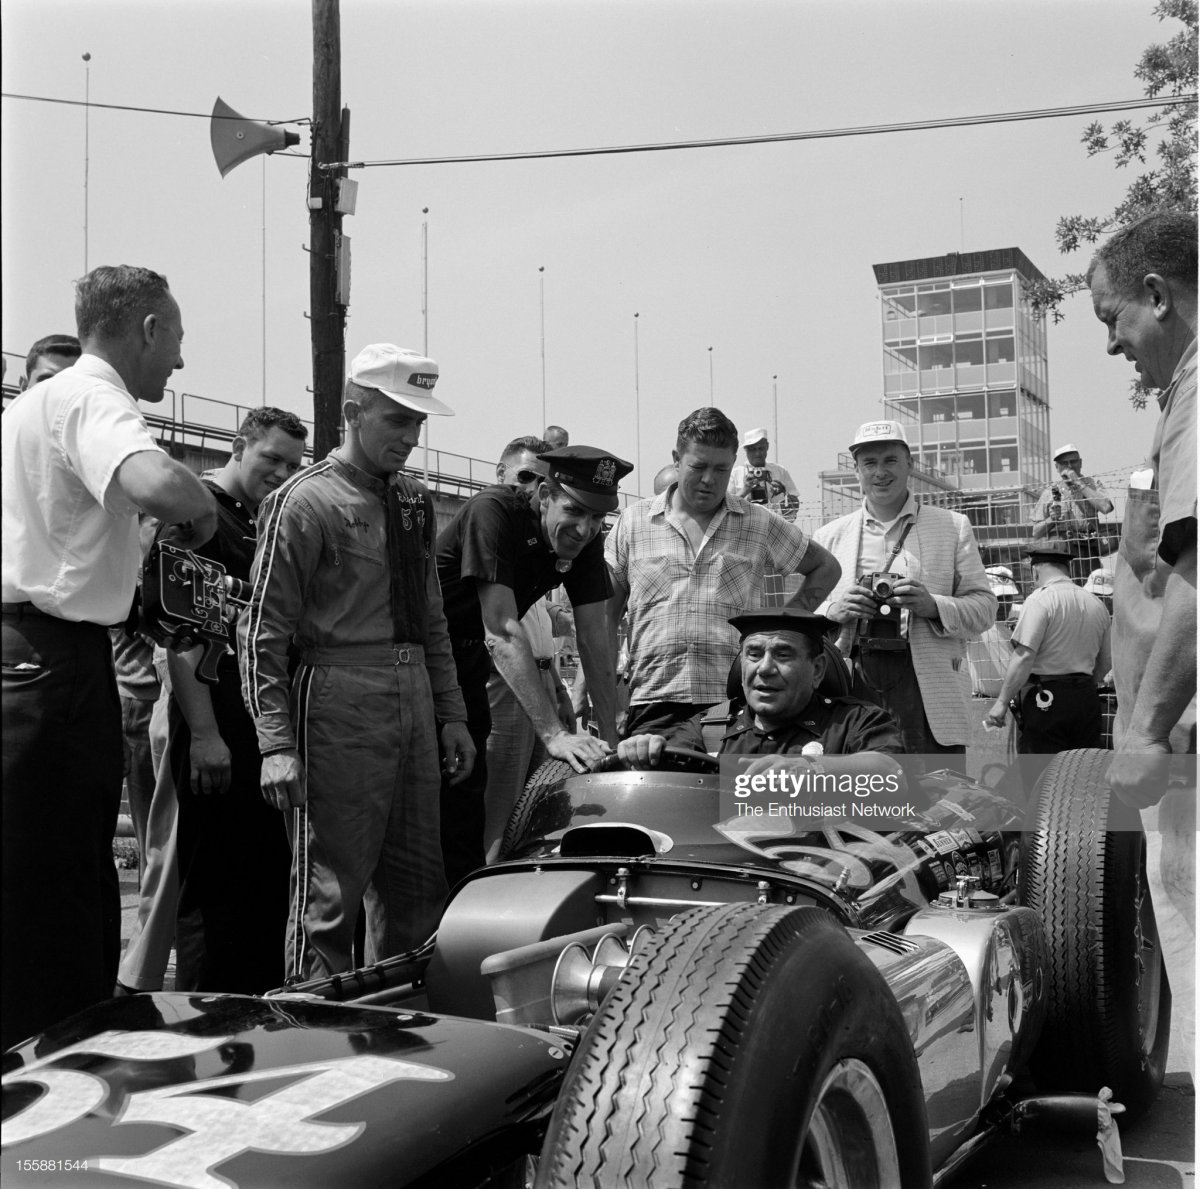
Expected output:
(190, 601)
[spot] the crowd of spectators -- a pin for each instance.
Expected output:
(389, 688)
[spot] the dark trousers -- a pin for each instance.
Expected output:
(656, 718)
(62, 767)
(234, 861)
(463, 805)
(886, 677)
(1073, 719)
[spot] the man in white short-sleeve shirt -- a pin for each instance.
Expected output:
(78, 464)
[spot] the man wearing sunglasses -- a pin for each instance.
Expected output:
(503, 551)
(514, 749)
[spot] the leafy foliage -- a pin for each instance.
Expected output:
(1165, 141)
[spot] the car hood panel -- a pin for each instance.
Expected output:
(207, 1090)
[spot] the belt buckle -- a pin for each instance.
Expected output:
(403, 656)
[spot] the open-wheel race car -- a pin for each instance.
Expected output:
(650, 991)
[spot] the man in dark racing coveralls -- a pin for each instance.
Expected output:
(782, 664)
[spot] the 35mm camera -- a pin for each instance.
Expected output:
(882, 588)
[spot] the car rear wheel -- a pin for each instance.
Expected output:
(751, 1046)
(1108, 1000)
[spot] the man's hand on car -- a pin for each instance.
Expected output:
(582, 752)
(641, 751)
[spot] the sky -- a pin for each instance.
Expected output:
(762, 253)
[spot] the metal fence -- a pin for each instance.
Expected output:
(187, 424)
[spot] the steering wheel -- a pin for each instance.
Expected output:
(674, 759)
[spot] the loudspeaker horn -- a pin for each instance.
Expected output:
(236, 139)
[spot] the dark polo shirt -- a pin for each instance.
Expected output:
(496, 537)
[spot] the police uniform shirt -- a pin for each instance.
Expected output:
(842, 726)
(496, 537)
(1064, 626)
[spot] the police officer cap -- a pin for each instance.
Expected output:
(781, 619)
(1055, 550)
(588, 475)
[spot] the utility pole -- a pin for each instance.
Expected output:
(330, 142)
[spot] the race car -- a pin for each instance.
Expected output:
(651, 990)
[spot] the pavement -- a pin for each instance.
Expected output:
(1160, 1150)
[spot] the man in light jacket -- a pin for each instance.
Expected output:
(904, 631)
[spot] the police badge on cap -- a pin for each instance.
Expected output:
(588, 475)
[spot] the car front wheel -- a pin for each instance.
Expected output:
(751, 1046)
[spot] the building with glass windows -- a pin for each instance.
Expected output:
(964, 370)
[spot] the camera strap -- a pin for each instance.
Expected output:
(862, 638)
(891, 557)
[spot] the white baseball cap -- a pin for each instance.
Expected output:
(405, 376)
(753, 436)
(1069, 448)
(871, 432)
(1100, 582)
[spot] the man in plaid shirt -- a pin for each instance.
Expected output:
(687, 560)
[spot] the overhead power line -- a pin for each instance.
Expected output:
(157, 111)
(1044, 113)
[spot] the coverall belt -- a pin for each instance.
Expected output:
(365, 654)
(1063, 678)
